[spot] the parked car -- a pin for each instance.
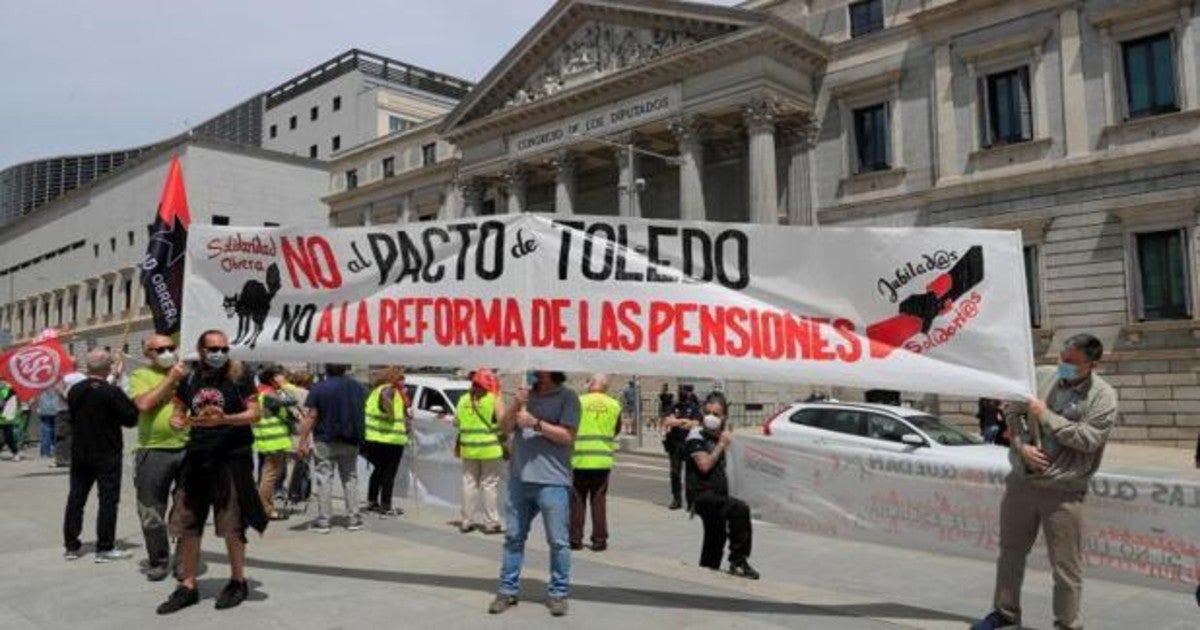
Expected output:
(434, 397)
(881, 427)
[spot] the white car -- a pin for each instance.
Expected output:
(880, 427)
(434, 397)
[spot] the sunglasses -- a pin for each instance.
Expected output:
(216, 349)
(162, 349)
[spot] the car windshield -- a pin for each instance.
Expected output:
(943, 433)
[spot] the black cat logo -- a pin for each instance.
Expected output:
(252, 305)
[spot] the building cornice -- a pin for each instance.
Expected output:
(405, 181)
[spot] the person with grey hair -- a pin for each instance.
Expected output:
(592, 461)
(1054, 452)
(98, 410)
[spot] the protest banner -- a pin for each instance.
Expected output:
(1137, 529)
(935, 310)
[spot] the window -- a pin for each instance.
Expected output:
(1032, 286)
(429, 154)
(431, 399)
(128, 294)
(312, 151)
(74, 307)
(880, 427)
(871, 138)
(96, 249)
(807, 417)
(337, 103)
(274, 131)
(292, 122)
(220, 219)
(389, 166)
(58, 311)
(336, 143)
(112, 243)
(92, 301)
(108, 298)
(351, 179)
(1007, 115)
(843, 421)
(1162, 263)
(270, 224)
(1149, 75)
(396, 123)
(866, 17)
(130, 235)
(314, 113)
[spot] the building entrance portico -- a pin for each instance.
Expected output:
(630, 108)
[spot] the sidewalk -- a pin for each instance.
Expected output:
(418, 568)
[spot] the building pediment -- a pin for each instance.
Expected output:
(581, 44)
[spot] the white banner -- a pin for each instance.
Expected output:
(1136, 529)
(933, 310)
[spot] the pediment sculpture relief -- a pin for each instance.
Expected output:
(596, 50)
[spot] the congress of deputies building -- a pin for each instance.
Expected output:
(1076, 122)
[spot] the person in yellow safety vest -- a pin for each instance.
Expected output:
(481, 449)
(387, 425)
(595, 442)
(272, 435)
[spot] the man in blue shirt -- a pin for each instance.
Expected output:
(336, 423)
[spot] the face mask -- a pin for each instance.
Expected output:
(712, 423)
(1067, 372)
(216, 360)
(165, 360)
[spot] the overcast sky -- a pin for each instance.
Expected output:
(96, 75)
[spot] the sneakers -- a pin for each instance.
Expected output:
(994, 621)
(502, 603)
(180, 598)
(744, 570)
(71, 554)
(157, 573)
(17, 457)
(320, 528)
(557, 606)
(356, 523)
(111, 555)
(234, 593)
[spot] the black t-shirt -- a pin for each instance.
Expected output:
(97, 413)
(688, 408)
(714, 480)
(201, 390)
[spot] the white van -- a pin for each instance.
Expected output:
(434, 397)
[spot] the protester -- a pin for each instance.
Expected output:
(595, 442)
(62, 423)
(666, 402)
(50, 403)
(684, 416)
(481, 450)
(1053, 459)
(98, 410)
(992, 425)
(9, 406)
(387, 419)
(160, 447)
(335, 424)
(543, 422)
(629, 406)
(724, 517)
(273, 436)
(217, 472)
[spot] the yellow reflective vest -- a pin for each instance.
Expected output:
(595, 440)
(478, 436)
(380, 428)
(271, 431)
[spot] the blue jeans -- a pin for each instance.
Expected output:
(46, 437)
(525, 500)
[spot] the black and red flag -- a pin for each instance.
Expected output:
(162, 268)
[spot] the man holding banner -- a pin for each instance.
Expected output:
(1053, 460)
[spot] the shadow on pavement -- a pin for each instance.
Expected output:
(57, 472)
(533, 590)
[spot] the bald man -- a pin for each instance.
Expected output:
(97, 410)
(160, 446)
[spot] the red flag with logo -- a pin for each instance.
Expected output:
(35, 367)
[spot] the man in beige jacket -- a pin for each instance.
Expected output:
(1054, 454)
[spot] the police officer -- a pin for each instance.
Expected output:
(481, 450)
(386, 435)
(599, 423)
(272, 435)
(684, 417)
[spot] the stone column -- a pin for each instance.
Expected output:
(565, 165)
(628, 204)
(1074, 91)
(405, 212)
(760, 127)
(368, 215)
(516, 178)
(689, 131)
(1185, 32)
(802, 137)
(948, 166)
(1107, 47)
(471, 190)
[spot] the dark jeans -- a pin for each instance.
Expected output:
(46, 436)
(677, 468)
(155, 472)
(590, 486)
(724, 518)
(385, 462)
(106, 476)
(9, 432)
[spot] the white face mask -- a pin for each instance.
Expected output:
(165, 360)
(712, 423)
(216, 360)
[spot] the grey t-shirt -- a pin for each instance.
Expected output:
(536, 459)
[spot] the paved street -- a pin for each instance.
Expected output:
(420, 568)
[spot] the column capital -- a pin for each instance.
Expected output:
(760, 114)
(802, 133)
(689, 128)
(565, 163)
(515, 174)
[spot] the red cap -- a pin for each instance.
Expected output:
(486, 379)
